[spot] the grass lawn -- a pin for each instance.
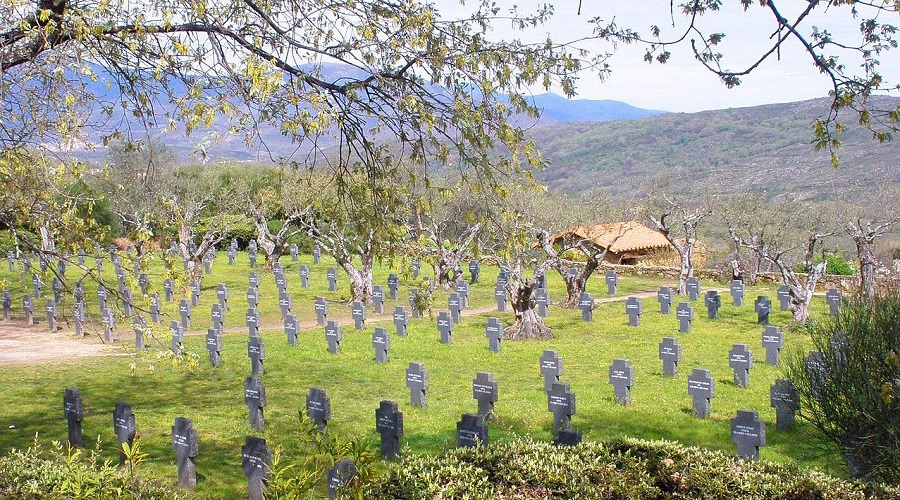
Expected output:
(159, 391)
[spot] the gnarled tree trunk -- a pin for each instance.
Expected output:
(528, 323)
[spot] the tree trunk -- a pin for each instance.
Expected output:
(528, 324)
(447, 269)
(866, 255)
(801, 295)
(575, 285)
(360, 279)
(687, 268)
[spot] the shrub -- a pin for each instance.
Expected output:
(853, 399)
(73, 473)
(624, 468)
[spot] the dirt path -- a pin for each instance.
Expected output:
(24, 345)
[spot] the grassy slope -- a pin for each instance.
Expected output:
(213, 398)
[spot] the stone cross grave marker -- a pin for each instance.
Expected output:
(234, 244)
(454, 304)
(670, 354)
(255, 399)
(340, 476)
(252, 318)
(561, 403)
(215, 313)
(318, 407)
(185, 445)
(612, 281)
(280, 281)
(214, 346)
(702, 388)
(784, 297)
(785, 398)
(818, 373)
(139, 325)
(332, 279)
(740, 359)
(26, 264)
(541, 280)
(567, 437)
(51, 315)
(773, 341)
(184, 310)
(358, 313)
(177, 333)
(633, 308)
(125, 428)
(474, 270)
(693, 288)
(222, 295)
(256, 351)
(143, 282)
(253, 279)
(621, 377)
(256, 460)
(737, 292)
(586, 304)
(389, 424)
(417, 382)
(304, 276)
(471, 431)
(101, 296)
(462, 289)
(78, 317)
(168, 289)
(762, 306)
(551, 369)
(73, 410)
(333, 335)
(195, 293)
(108, 319)
(713, 302)
(321, 308)
(285, 303)
(445, 327)
(494, 333)
(291, 329)
(7, 304)
(294, 252)
(381, 342)
(317, 254)
(57, 288)
(232, 253)
(503, 277)
(484, 390)
(251, 254)
(416, 268)
(413, 296)
(393, 285)
(748, 432)
(28, 308)
(685, 314)
(400, 320)
(378, 299)
(542, 299)
(500, 295)
(833, 298)
(36, 285)
(11, 258)
(252, 297)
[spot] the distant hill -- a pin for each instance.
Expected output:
(564, 110)
(764, 148)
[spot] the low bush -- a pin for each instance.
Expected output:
(624, 468)
(71, 473)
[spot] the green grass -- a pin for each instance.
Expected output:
(213, 397)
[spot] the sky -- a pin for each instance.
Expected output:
(683, 85)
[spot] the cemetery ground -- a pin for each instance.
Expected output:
(159, 390)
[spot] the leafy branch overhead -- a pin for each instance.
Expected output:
(428, 83)
(852, 85)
